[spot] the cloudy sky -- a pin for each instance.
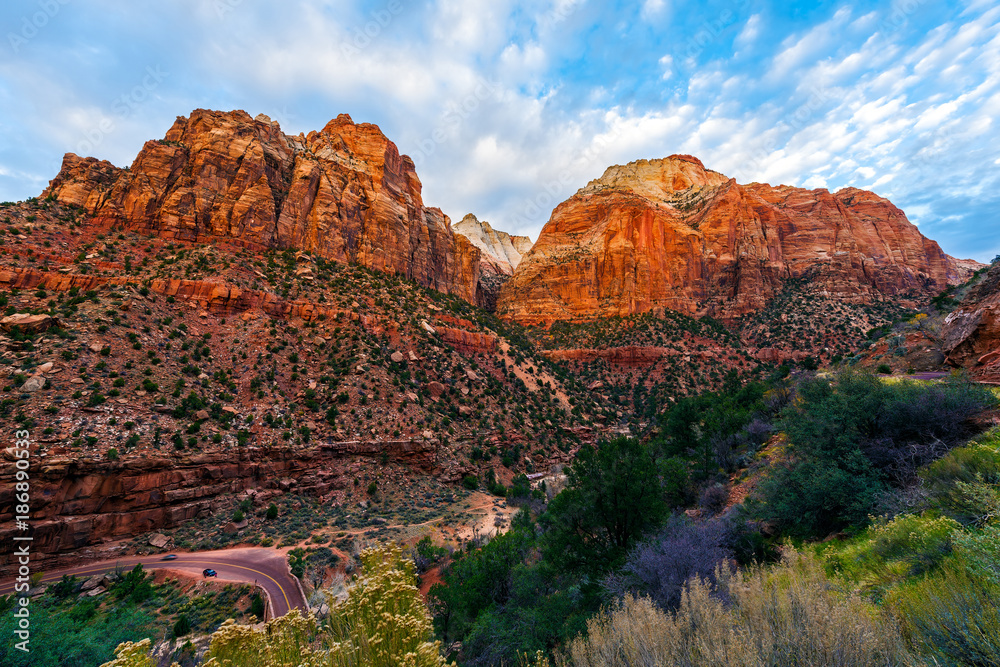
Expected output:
(508, 107)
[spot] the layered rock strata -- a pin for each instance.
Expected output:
(672, 234)
(81, 503)
(971, 333)
(343, 193)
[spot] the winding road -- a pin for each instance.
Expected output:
(264, 567)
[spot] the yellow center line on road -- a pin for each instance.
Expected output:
(163, 563)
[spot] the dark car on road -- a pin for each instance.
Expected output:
(170, 557)
(209, 572)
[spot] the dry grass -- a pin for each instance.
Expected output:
(790, 614)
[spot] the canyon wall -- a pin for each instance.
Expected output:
(343, 193)
(672, 234)
(82, 503)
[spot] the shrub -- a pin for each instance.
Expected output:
(297, 562)
(891, 551)
(427, 553)
(382, 623)
(953, 617)
(65, 587)
(182, 626)
(134, 654)
(812, 497)
(853, 436)
(714, 498)
(272, 512)
(660, 566)
(471, 482)
(787, 615)
(964, 483)
(980, 553)
(135, 585)
(257, 607)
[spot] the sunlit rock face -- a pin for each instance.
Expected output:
(343, 193)
(670, 233)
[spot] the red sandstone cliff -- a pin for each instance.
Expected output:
(343, 193)
(671, 234)
(971, 334)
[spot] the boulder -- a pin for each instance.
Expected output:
(159, 540)
(33, 384)
(28, 323)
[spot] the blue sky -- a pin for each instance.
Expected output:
(509, 107)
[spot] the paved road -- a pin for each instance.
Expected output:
(266, 567)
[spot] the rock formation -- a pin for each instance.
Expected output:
(343, 193)
(501, 253)
(80, 503)
(971, 334)
(672, 234)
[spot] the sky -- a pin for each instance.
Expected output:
(509, 107)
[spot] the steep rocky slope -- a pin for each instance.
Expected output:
(343, 193)
(671, 234)
(501, 253)
(970, 334)
(161, 378)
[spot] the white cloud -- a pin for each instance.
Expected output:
(652, 8)
(748, 35)
(667, 63)
(852, 100)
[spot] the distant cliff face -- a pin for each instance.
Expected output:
(501, 253)
(671, 234)
(343, 193)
